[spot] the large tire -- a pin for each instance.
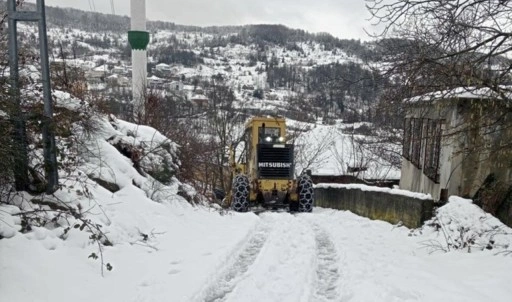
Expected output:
(305, 192)
(240, 199)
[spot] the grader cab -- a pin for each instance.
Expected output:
(262, 169)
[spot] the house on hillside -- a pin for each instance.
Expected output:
(119, 70)
(457, 142)
(199, 102)
(155, 82)
(162, 67)
(162, 70)
(174, 86)
(118, 80)
(99, 72)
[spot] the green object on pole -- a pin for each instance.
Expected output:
(139, 40)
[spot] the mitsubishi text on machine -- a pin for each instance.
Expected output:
(274, 165)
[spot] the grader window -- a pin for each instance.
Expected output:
(242, 158)
(269, 135)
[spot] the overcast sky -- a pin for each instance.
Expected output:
(341, 18)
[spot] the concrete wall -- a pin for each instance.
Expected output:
(389, 205)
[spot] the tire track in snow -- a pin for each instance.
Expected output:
(327, 272)
(224, 283)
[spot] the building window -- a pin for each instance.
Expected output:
(407, 139)
(432, 150)
(416, 140)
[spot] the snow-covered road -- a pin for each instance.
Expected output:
(201, 256)
(279, 260)
(337, 256)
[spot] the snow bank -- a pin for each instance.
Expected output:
(378, 261)
(8, 222)
(461, 225)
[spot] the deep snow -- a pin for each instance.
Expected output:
(165, 249)
(200, 255)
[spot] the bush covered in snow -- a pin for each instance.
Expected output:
(461, 225)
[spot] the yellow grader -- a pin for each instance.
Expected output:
(262, 170)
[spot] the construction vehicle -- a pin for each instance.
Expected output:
(262, 170)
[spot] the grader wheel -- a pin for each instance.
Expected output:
(240, 199)
(306, 195)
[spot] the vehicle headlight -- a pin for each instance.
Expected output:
(281, 139)
(268, 139)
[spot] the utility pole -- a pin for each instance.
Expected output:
(18, 117)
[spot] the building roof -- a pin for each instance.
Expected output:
(155, 78)
(462, 93)
(102, 68)
(199, 97)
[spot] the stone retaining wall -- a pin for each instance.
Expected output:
(391, 205)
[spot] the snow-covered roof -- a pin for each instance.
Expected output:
(199, 97)
(188, 87)
(154, 78)
(460, 93)
(101, 68)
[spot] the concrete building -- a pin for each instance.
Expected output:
(458, 142)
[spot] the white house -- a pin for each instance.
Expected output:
(174, 86)
(162, 67)
(98, 72)
(199, 101)
(119, 70)
(455, 143)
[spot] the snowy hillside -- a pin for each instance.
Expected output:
(270, 70)
(265, 65)
(335, 150)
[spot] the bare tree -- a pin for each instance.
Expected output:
(431, 45)
(435, 45)
(440, 46)
(223, 121)
(5, 126)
